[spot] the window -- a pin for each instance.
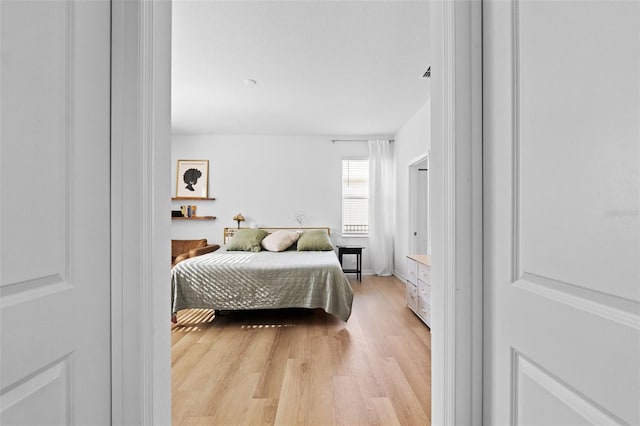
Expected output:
(355, 197)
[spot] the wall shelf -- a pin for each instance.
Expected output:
(191, 199)
(194, 218)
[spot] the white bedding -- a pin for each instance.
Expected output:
(227, 280)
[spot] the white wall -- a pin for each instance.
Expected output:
(267, 179)
(412, 140)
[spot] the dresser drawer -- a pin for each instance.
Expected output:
(424, 310)
(412, 271)
(424, 291)
(412, 296)
(424, 273)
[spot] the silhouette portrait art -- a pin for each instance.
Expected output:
(191, 177)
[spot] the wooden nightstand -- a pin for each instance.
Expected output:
(357, 250)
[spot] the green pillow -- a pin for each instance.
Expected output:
(315, 241)
(247, 240)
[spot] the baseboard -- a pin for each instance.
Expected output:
(399, 276)
(364, 272)
(371, 273)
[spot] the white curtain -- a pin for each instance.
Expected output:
(381, 206)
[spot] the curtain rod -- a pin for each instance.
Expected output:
(355, 140)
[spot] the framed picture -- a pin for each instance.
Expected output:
(192, 179)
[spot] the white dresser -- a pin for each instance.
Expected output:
(419, 286)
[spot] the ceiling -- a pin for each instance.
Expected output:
(321, 67)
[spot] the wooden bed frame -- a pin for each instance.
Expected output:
(230, 232)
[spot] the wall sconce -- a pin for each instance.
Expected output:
(239, 218)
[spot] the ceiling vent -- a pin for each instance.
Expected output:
(427, 73)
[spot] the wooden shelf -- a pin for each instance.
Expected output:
(194, 218)
(191, 199)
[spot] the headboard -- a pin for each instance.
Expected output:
(230, 232)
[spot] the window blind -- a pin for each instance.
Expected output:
(355, 197)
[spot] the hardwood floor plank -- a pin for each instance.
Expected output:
(417, 332)
(306, 390)
(294, 385)
(415, 369)
(294, 367)
(261, 347)
(363, 360)
(226, 408)
(197, 421)
(406, 404)
(318, 401)
(185, 365)
(386, 413)
(214, 364)
(350, 406)
(181, 405)
(261, 412)
(274, 367)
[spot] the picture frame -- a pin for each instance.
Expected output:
(192, 179)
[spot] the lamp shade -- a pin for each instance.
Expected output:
(238, 218)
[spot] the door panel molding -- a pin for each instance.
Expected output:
(521, 141)
(523, 368)
(613, 308)
(54, 378)
(515, 146)
(27, 291)
(607, 306)
(48, 82)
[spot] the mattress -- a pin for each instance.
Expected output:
(231, 280)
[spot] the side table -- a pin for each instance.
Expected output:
(357, 250)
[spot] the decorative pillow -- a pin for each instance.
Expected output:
(247, 240)
(280, 240)
(315, 241)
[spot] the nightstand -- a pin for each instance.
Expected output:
(357, 250)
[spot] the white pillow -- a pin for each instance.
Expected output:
(280, 240)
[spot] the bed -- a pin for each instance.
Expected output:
(241, 280)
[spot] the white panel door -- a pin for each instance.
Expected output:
(561, 223)
(54, 223)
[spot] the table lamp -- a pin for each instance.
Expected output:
(238, 218)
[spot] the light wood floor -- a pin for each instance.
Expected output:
(305, 367)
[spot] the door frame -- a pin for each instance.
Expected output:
(413, 200)
(141, 66)
(455, 168)
(140, 202)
